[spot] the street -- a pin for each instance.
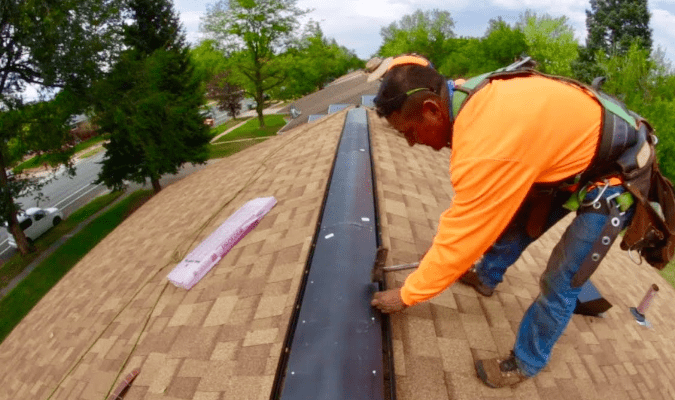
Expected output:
(69, 194)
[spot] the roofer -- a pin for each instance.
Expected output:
(526, 150)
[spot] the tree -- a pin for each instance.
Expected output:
(551, 42)
(502, 44)
(208, 60)
(631, 76)
(613, 25)
(150, 101)
(422, 32)
(58, 47)
(645, 84)
(228, 96)
(313, 61)
(465, 57)
(253, 32)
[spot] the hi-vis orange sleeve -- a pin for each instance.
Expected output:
(511, 134)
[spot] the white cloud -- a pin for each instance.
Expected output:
(356, 24)
(663, 22)
(663, 34)
(191, 17)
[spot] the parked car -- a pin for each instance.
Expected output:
(35, 222)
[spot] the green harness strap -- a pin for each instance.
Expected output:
(472, 85)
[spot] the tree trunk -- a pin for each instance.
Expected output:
(261, 117)
(13, 223)
(259, 107)
(155, 185)
(259, 96)
(22, 242)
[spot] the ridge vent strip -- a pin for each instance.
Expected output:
(337, 346)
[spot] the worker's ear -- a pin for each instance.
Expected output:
(432, 109)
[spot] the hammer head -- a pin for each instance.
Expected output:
(377, 274)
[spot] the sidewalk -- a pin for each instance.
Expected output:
(17, 279)
(250, 114)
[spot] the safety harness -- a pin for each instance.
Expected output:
(626, 149)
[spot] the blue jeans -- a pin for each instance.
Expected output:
(549, 314)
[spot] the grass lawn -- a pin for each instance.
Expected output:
(92, 152)
(225, 126)
(251, 129)
(18, 262)
(88, 143)
(668, 273)
(39, 161)
(220, 149)
(23, 298)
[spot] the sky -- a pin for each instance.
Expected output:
(356, 24)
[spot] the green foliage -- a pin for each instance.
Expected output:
(661, 114)
(631, 77)
(465, 58)
(551, 42)
(430, 34)
(585, 68)
(150, 104)
(155, 26)
(208, 60)
(613, 26)
(646, 87)
(54, 46)
(503, 44)
(253, 33)
(313, 61)
(423, 32)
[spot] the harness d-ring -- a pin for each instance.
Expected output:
(602, 191)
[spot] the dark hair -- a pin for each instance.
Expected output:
(399, 81)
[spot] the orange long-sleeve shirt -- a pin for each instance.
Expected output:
(511, 134)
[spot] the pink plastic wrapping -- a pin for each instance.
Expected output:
(200, 261)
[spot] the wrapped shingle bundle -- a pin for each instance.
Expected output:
(200, 261)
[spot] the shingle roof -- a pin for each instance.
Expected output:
(223, 338)
(347, 89)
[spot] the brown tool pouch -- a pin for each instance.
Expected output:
(652, 231)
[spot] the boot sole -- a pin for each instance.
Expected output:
(480, 372)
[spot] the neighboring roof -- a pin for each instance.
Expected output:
(223, 338)
(346, 89)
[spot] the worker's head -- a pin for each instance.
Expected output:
(413, 97)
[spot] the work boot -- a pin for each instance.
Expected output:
(470, 278)
(498, 373)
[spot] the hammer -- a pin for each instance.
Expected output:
(379, 269)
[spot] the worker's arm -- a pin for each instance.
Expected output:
(488, 193)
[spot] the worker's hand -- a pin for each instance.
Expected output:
(389, 301)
